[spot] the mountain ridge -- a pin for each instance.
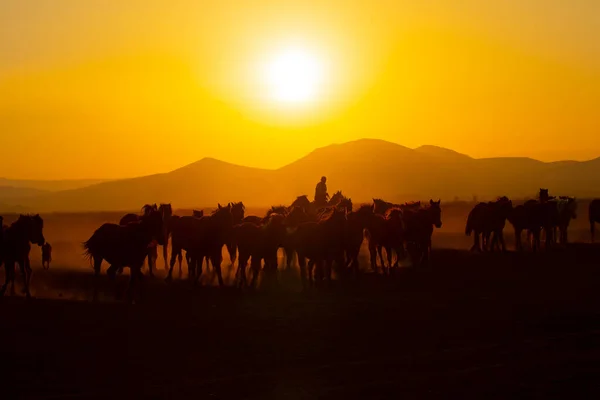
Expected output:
(362, 169)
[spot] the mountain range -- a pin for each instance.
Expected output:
(362, 169)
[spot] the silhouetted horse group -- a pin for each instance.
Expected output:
(547, 214)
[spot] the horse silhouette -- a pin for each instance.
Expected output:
(593, 216)
(487, 219)
(419, 226)
(237, 211)
(382, 232)
(46, 255)
(164, 210)
(16, 245)
(202, 238)
(258, 242)
(322, 244)
(124, 246)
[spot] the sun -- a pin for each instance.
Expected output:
(294, 76)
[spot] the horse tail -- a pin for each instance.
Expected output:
(88, 252)
(469, 226)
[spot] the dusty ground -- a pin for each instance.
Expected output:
(470, 326)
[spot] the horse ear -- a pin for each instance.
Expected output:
(431, 201)
(219, 205)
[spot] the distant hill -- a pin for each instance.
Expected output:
(363, 169)
(52, 186)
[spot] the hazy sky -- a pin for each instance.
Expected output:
(111, 88)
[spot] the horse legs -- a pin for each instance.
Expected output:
(240, 275)
(150, 262)
(388, 252)
(255, 267)
(302, 265)
(380, 253)
(232, 250)
(26, 272)
(592, 229)
(9, 272)
(174, 252)
(476, 246)
(289, 256)
(166, 252)
(216, 262)
(373, 256)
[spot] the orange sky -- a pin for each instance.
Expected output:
(107, 89)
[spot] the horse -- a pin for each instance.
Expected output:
(198, 213)
(593, 216)
(382, 232)
(258, 242)
(487, 219)
(202, 238)
(128, 218)
(46, 255)
(237, 211)
(567, 210)
(16, 245)
(339, 200)
(419, 226)
(166, 211)
(293, 219)
(321, 243)
(302, 202)
(124, 246)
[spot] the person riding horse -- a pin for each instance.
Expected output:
(321, 195)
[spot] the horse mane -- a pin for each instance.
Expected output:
(392, 212)
(239, 204)
(365, 207)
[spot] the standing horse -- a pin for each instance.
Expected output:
(382, 232)
(202, 238)
(419, 228)
(16, 246)
(166, 211)
(124, 246)
(259, 242)
(594, 216)
(567, 210)
(237, 212)
(487, 219)
(321, 243)
(128, 218)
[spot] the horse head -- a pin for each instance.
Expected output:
(435, 212)
(296, 216)
(166, 210)
(34, 228)
(198, 213)
(237, 210)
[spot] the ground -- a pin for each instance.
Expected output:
(469, 326)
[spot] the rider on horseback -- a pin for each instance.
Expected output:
(321, 195)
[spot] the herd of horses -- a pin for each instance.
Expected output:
(323, 238)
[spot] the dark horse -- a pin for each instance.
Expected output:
(321, 243)
(202, 238)
(124, 246)
(15, 247)
(418, 226)
(259, 242)
(487, 219)
(166, 213)
(594, 215)
(237, 211)
(382, 232)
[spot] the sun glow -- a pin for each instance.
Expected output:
(294, 76)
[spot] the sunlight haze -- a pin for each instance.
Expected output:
(112, 89)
